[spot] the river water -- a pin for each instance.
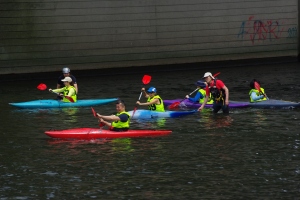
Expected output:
(250, 154)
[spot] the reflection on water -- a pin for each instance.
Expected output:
(250, 153)
(215, 121)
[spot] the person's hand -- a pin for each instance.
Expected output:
(187, 96)
(226, 102)
(50, 90)
(200, 108)
(100, 116)
(265, 95)
(143, 89)
(101, 120)
(138, 103)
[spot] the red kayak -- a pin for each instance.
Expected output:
(94, 133)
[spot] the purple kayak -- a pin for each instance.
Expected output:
(189, 104)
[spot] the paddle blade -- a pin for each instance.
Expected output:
(101, 124)
(216, 74)
(174, 105)
(146, 79)
(94, 112)
(42, 86)
(257, 86)
(133, 112)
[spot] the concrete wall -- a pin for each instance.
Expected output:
(45, 35)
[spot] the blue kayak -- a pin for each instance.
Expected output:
(273, 103)
(50, 103)
(148, 114)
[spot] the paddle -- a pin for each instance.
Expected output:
(257, 87)
(146, 79)
(43, 86)
(176, 104)
(95, 115)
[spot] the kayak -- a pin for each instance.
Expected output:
(51, 103)
(148, 114)
(189, 104)
(273, 103)
(95, 133)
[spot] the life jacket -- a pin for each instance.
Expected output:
(121, 125)
(203, 92)
(217, 94)
(257, 94)
(66, 92)
(156, 107)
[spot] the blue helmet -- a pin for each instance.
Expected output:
(200, 84)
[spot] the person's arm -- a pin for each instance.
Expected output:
(205, 101)
(108, 117)
(154, 101)
(227, 95)
(255, 97)
(57, 90)
(101, 120)
(76, 87)
(196, 98)
(145, 93)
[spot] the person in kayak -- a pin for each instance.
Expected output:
(219, 92)
(66, 72)
(121, 120)
(254, 94)
(69, 91)
(200, 95)
(154, 101)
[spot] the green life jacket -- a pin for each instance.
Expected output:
(209, 101)
(66, 92)
(119, 124)
(156, 107)
(257, 94)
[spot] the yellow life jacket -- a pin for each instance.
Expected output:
(66, 92)
(257, 94)
(209, 101)
(119, 124)
(156, 107)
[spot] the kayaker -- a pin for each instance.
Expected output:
(219, 92)
(200, 95)
(121, 120)
(154, 101)
(68, 91)
(66, 72)
(254, 94)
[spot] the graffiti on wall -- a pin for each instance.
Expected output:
(260, 30)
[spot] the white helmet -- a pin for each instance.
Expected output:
(66, 70)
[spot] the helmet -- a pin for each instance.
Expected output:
(66, 70)
(200, 84)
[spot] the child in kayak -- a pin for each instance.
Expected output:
(254, 93)
(121, 120)
(66, 72)
(69, 91)
(200, 95)
(154, 102)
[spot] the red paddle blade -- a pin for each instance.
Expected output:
(174, 105)
(94, 112)
(216, 74)
(257, 86)
(146, 79)
(133, 111)
(42, 86)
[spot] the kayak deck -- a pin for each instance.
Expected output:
(51, 103)
(96, 133)
(148, 114)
